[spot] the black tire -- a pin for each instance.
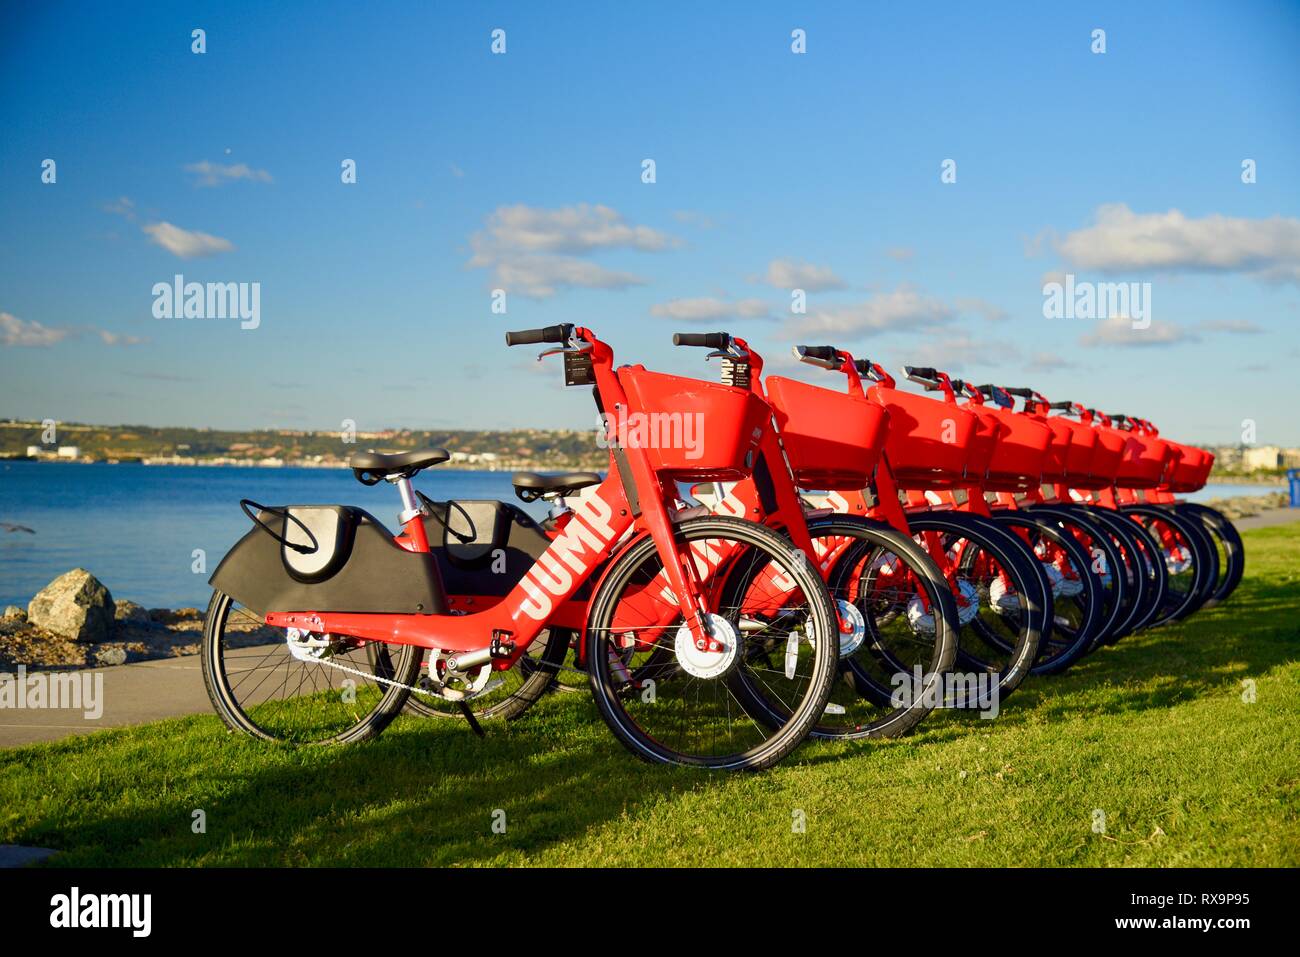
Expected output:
(521, 686)
(1187, 587)
(877, 694)
(1001, 645)
(325, 713)
(1077, 608)
(619, 681)
(1105, 564)
(1228, 544)
(1143, 588)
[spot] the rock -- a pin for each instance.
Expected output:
(75, 605)
(106, 656)
(129, 613)
(14, 613)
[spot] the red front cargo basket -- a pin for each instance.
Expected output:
(1017, 462)
(1080, 456)
(692, 430)
(1143, 464)
(988, 428)
(1191, 471)
(928, 442)
(832, 439)
(1106, 456)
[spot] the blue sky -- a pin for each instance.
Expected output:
(523, 171)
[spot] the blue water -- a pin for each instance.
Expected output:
(136, 527)
(1231, 491)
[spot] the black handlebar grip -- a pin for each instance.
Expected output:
(1067, 405)
(707, 340)
(986, 389)
(923, 372)
(863, 366)
(529, 337)
(957, 384)
(1022, 393)
(825, 353)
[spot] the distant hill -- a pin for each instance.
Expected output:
(513, 449)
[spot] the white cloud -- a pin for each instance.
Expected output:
(122, 206)
(1119, 331)
(32, 334)
(690, 217)
(117, 339)
(187, 244)
(537, 251)
(709, 309)
(791, 274)
(1236, 327)
(956, 353)
(214, 174)
(28, 332)
(904, 308)
(1124, 241)
(1048, 362)
(981, 307)
(542, 276)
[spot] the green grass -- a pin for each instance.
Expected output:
(1153, 732)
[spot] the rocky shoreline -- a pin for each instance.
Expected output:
(155, 633)
(74, 622)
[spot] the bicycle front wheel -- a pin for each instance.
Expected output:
(672, 703)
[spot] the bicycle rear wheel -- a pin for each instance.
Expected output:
(282, 685)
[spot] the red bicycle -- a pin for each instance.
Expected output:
(299, 602)
(872, 571)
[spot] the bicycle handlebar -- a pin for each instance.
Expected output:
(828, 357)
(528, 337)
(705, 340)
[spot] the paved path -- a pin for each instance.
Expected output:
(1266, 519)
(131, 694)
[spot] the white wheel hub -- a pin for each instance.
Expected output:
(710, 662)
(853, 627)
(921, 617)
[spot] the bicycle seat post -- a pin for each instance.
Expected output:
(410, 505)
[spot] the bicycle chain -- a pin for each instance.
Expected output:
(413, 688)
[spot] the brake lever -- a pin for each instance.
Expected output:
(739, 355)
(572, 347)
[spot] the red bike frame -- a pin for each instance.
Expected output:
(501, 630)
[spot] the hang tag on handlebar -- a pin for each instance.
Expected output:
(578, 369)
